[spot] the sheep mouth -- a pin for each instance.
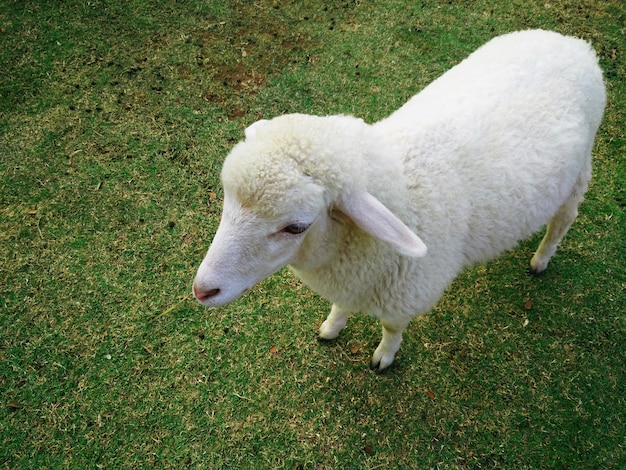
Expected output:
(216, 297)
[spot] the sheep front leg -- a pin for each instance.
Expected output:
(334, 323)
(388, 347)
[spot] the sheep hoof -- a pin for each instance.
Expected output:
(538, 265)
(331, 329)
(537, 268)
(375, 367)
(323, 340)
(535, 271)
(381, 364)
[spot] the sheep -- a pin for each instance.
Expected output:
(380, 218)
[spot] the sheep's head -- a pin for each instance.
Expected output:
(291, 191)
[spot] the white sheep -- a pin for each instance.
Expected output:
(381, 218)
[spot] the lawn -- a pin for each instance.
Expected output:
(115, 118)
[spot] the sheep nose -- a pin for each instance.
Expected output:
(202, 295)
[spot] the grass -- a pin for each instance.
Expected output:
(114, 120)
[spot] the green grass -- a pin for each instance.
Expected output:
(115, 118)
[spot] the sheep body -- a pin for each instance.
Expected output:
(483, 157)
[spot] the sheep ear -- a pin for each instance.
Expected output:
(252, 129)
(374, 218)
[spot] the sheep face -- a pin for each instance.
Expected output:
(255, 239)
(287, 200)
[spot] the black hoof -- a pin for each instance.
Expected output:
(376, 368)
(325, 340)
(536, 272)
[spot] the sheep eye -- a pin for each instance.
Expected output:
(295, 229)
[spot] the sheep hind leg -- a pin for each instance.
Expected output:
(385, 352)
(334, 323)
(557, 228)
